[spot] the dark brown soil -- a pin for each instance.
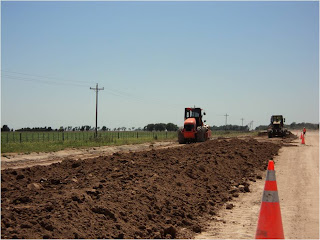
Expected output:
(152, 194)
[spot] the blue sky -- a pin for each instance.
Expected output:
(247, 59)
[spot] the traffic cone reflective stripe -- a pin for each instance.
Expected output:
(270, 222)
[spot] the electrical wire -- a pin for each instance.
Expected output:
(41, 81)
(115, 92)
(47, 77)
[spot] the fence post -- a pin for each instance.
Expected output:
(13, 137)
(137, 135)
(166, 134)
(20, 137)
(63, 136)
(118, 135)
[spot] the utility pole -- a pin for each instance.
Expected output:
(226, 120)
(250, 125)
(242, 121)
(97, 90)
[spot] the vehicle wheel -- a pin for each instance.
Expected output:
(201, 135)
(181, 138)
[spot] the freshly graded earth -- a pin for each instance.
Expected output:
(163, 193)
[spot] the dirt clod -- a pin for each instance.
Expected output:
(229, 206)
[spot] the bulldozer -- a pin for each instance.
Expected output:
(194, 128)
(276, 128)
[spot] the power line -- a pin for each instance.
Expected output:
(26, 79)
(41, 76)
(19, 76)
(97, 90)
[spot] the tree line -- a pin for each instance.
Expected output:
(293, 126)
(230, 128)
(149, 127)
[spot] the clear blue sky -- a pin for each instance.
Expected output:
(247, 59)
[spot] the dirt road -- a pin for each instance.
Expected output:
(298, 184)
(297, 174)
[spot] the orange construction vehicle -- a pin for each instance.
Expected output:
(194, 129)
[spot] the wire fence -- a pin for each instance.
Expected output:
(108, 136)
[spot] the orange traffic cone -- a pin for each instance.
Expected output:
(270, 222)
(302, 140)
(301, 136)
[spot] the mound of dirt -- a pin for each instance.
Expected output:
(291, 135)
(152, 194)
(263, 133)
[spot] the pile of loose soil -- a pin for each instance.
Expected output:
(291, 135)
(151, 194)
(263, 133)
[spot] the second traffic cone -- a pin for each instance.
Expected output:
(301, 136)
(270, 222)
(302, 140)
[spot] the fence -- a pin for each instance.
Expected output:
(20, 137)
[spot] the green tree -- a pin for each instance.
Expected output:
(171, 127)
(5, 128)
(149, 127)
(160, 126)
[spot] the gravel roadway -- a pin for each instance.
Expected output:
(297, 175)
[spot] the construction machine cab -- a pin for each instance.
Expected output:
(194, 113)
(277, 119)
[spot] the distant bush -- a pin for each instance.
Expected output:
(293, 126)
(161, 127)
(230, 128)
(311, 126)
(5, 128)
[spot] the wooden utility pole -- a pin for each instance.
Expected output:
(242, 121)
(97, 90)
(226, 120)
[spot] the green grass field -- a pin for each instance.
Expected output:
(27, 142)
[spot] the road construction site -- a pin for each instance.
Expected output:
(209, 189)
